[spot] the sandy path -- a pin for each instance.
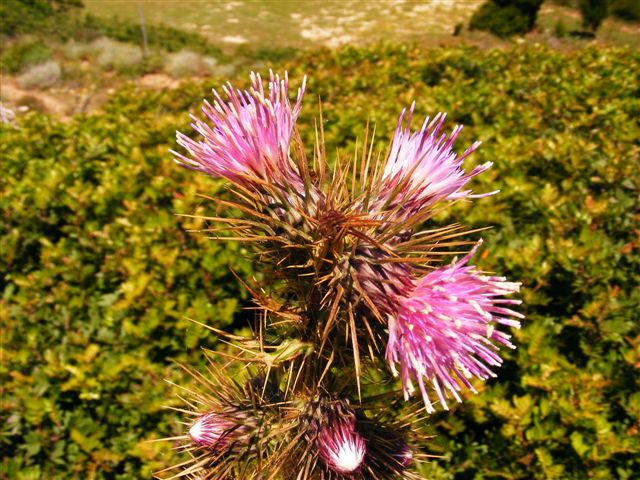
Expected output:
(12, 94)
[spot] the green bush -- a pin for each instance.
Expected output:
(593, 13)
(19, 55)
(100, 273)
(506, 18)
(158, 36)
(560, 29)
(628, 10)
(100, 277)
(62, 20)
(32, 16)
(266, 54)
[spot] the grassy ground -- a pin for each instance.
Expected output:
(612, 31)
(300, 23)
(308, 23)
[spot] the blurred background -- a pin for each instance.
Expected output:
(99, 275)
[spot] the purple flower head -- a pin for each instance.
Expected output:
(422, 169)
(246, 138)
(213, 431)
(341, 447)
(403, 454)
(445, 331)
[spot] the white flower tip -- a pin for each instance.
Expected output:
(349, 457)
(342, 448)
(196, 432)
(404, 455)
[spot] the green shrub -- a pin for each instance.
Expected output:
(506, 18)
(593, 13)
(34, 16)
(61, 20)
(266, 54)
(560, 29)
(100, 273)
(100, 277)
(19, 55)
(158, 36)
(628, 10)
(529, 9)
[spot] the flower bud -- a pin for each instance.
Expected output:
(341, 447)
(213, 430)
(403, 454)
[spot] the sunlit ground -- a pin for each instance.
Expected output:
(331, 23)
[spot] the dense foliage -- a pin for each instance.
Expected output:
(505, 18)
(623, 9)
(159, 36)
(100, 274)
(626, 10)
(27, 16)
(23, 54)
(593, 13)
(45, 20)
(37, 47)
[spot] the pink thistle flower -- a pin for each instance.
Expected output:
(247, 137)
(446, 328)
(213, 431)
(341, 447)
(422, 169)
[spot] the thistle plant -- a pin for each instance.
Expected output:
(361, 286)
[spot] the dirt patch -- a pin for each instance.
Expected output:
(67, 101)
(158, 81)
(56, 103)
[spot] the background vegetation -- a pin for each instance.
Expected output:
(99, 274)
(506, 17)
(66, 57)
